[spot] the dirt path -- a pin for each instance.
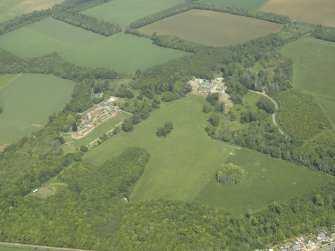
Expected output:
(273, 114)
(36, 247)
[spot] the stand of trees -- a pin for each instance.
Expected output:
(324, 33)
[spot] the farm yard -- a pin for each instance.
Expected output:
(226, 29)
(22, 101)
(12, 8)
(267, 180)
(124, 12)
(122, 52)
(317, 12)
(314, 70)
(183, 165)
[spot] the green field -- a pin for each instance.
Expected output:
(268, 180)
(243, 4)
(27, 102)
(225, 29)
(182, 165)
(14, 249)
(44, 37)
(12, 8)
(314, 73)
(124, 12)
(122, 52)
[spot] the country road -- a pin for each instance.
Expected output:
(36, 247)
(273, 114)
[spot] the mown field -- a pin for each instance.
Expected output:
(122, 52)
(14, 249)
(27, 102)
(12, 8)
(212, 28)
(267, 180)
(46, 36)
(314, 73)
(183, 165)
(318, 12)
(243, 4)
(124, 12)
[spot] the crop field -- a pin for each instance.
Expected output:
(225, 29)
(46, 36)
(318, 12)
(122, 52)
(124, 12)
(243, 4)
(182, 163)
(27, 102)
(267, 180)
(314, 70)
(11, 8)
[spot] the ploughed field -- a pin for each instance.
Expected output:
(211, 27)
(12, 8)
(27, 101)
(314, 73)
(313, 11)
(183, 165)
(122, 52)
(124, 12)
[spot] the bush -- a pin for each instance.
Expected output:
(230, 174)
(1, 109)
(266, 105)
(165, 130)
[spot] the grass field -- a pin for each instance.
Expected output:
(122, 52)
(124, 12)
(46, 36)
(243, 4)
(14, 249)
(182, 165)
(225, 29)
(314, 73)
(268, 180)
(313, 11)
(11, 8)
(27, 102)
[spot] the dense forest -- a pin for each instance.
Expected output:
(92, 210)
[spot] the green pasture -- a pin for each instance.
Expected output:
(122, 52)
(14, 249)
(101, 130)
(46, 36)
(124, 12)
(27, 102)
(225, 29)
(314, 73)
(267, 180)
(182, 163)
(241, 4)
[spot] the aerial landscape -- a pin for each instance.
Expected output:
(167, 125)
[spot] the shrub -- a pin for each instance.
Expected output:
(165, 130)
(230, 174)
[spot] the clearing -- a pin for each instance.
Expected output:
(211, 27)
(123, 53)
(318, 12)
(12, 8)
(124, 12)
(314, 73)
(242, 4)
(183, 165)
(27, 102)
(44, 37)
(267, 180)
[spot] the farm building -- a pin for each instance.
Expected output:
(202, 86)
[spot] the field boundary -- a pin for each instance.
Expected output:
(10, 81)
(37, 247)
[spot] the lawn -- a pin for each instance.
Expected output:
(182, 163)
(314, 73)
(313, 11)
(46, 36)
(211, 27)
(122, 52)
(243, 4)
(124, 12)
(27, 102)
(11, 8)
(267, 180)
